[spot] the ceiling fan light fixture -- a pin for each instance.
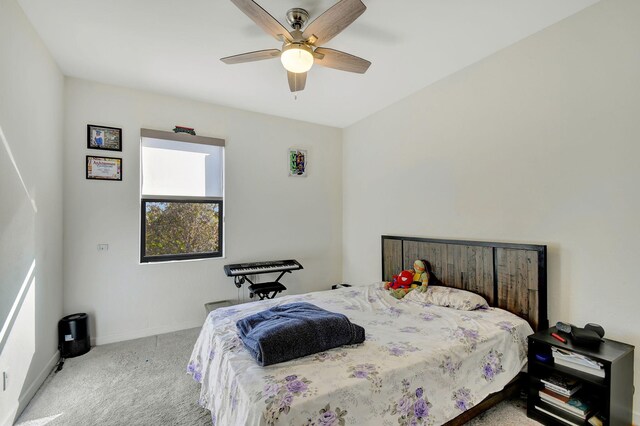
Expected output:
(297, 57)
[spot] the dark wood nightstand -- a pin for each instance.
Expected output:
(337, 286)
(612, 394)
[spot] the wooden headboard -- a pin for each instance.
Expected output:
(509, 276)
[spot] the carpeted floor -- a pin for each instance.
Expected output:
(138, 382)
(143, 382)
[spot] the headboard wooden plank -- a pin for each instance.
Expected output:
(533, 278)
(391, 257)
(509, 297)
(518, 273)
(509, 276)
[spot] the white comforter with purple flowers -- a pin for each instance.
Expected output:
(420, 364)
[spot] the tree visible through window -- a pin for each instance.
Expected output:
(181, 202)
(181, 228)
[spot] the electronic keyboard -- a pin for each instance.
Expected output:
(264, 290)
(253, 268)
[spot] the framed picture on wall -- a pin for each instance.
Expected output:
(104, 168)
(102, 137)
(298, 162)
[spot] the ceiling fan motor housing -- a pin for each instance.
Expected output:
(297, 17)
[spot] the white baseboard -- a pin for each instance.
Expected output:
(636, 418)
(23, 400)
(146, 332)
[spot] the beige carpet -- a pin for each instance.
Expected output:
(143, 382)
(138, 382)
(509, 412)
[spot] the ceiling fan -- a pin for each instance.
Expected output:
(301, 49)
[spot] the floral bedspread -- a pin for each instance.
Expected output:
(420, 364)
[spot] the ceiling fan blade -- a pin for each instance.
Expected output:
(341, 61)
(333, 21)
(258, 55)
(264, 20)
(297, 81)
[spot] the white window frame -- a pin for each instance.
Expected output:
(145, 198)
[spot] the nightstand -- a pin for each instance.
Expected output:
(337, 286)
(611, 395)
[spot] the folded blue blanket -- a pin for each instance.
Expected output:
(295, 330)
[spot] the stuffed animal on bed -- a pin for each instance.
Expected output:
(421, 275)
(410, 279)
(401, 284)
(400, 292)
(403, 280)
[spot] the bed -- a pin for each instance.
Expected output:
(421, 363)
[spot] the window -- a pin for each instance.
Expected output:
(181, 196)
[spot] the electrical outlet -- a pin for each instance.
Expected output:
(5, 381)
(103, 247)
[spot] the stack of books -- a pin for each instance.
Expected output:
(562, 392)
(577, 362)
(579, 404)
(562, 385)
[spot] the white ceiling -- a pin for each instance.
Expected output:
(173, 47)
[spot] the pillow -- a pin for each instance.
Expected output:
(449, 298)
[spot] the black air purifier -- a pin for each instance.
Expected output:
(73, 335)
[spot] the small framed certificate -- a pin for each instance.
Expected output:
(104, 168)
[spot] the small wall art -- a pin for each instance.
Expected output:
(102, 137)
(298, 162)
(104, 168)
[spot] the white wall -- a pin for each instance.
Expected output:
(31, 90)
(268, 214)
(538, 143)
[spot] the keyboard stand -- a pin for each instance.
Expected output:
(263, 290)
(266, 290)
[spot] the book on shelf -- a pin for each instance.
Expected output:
(563, 385)
(580, 367)
(557, 417)
(547, 393)
(580, 405)
(597, 420)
